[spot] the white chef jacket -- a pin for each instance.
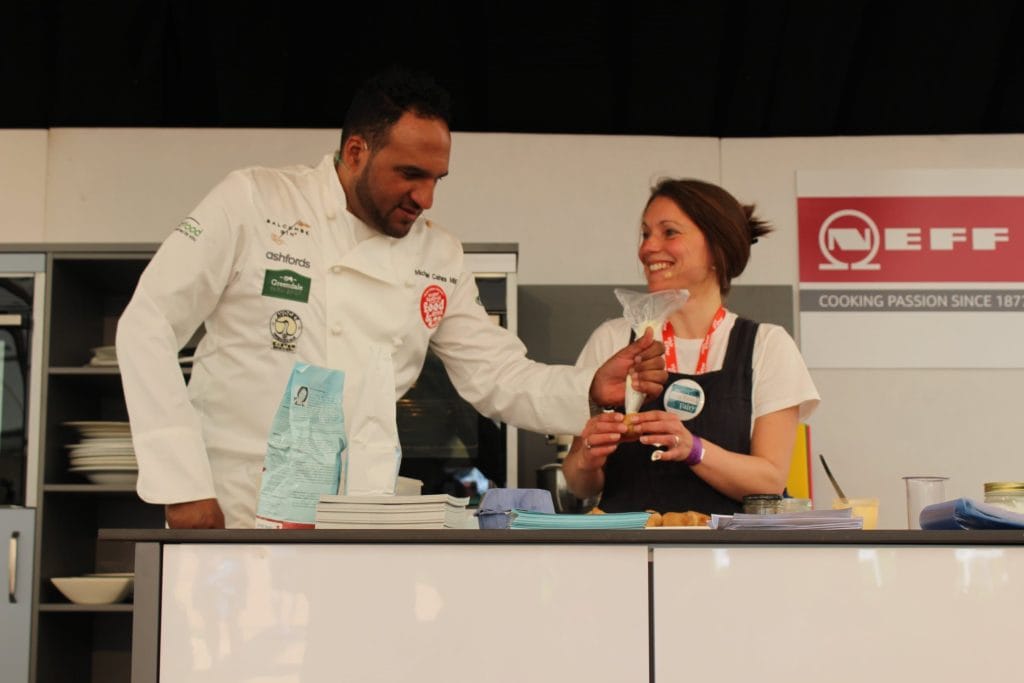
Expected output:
(279, 271)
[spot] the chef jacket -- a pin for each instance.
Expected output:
(278, 271)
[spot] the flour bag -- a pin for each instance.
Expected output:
(306, 449)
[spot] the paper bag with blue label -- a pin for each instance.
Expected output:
(643, 310)
(374, 454)
(305, 450)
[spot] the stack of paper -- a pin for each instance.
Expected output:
(806, 520)
(964, 513)
(526, 519)
(391, 512)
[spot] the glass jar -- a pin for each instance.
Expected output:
(762, 504)
(1008, 495)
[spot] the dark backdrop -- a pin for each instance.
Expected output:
(708, 68)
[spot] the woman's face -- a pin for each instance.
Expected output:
(673, 250)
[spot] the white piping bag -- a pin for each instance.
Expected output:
(642, 310)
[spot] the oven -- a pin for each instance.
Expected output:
(446, 443)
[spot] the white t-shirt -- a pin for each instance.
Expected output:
(780, 377)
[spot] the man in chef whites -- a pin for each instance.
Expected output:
(332, 265)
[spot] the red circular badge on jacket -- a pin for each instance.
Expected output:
(432, 306)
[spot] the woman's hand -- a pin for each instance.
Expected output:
(601, 436)
(664, 431)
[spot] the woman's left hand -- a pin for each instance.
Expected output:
(664, 431)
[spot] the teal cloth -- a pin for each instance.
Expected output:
(526, 519)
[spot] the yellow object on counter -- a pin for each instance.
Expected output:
(865, 508)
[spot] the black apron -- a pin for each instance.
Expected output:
(633, 482)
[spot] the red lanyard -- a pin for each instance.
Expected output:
(668, 338)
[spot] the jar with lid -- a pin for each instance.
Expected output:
(1008, 495)
(762, 504)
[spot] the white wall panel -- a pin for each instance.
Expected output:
(22, 185)
(136, 184)
(572, 202)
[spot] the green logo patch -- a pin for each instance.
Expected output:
(286, 284)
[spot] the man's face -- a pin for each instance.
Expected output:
(397, 182)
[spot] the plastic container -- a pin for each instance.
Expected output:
(762, 504)
(1008, 495)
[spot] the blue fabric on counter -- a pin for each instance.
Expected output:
(496, 505)
(964, 513)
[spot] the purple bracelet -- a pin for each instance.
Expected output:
(696, 455)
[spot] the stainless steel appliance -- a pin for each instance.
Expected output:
(446, 443)
(22, 286)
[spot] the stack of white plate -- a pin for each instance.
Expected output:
(104, 356)
(104, 455)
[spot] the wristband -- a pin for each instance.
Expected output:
(696, 455)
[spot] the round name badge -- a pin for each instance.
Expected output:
(684, 398)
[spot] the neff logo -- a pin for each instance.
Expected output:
(287, 258)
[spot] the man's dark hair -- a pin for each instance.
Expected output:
(380, 102)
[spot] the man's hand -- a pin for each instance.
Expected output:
(195, 514)
(641, 362)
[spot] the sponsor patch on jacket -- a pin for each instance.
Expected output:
(286, 284)
(190, 228)
(433, 303)
(285, 329)
(287, 259)
(281, 230)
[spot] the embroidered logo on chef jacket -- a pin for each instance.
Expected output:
(285, 328)
(282, 257)
(190, 228)
(286, 284)
(297, 228)
(433, 303)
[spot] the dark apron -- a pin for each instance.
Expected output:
(634, 482)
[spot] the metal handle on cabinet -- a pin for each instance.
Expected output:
(12, 567)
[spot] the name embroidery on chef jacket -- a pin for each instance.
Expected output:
(285, 328)
(433, 304)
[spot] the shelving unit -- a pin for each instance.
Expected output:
(88, 289)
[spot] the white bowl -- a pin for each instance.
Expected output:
(93, 590)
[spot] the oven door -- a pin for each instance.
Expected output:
(20, 348)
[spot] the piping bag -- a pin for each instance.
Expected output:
(642, 310)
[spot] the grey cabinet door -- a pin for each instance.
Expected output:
(17, 535)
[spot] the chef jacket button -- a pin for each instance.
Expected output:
(336, 269)
(336, 330)
(330, 215)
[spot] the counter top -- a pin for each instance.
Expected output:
(595, 537)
